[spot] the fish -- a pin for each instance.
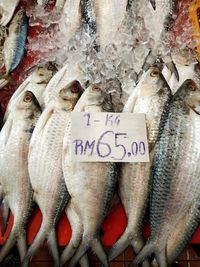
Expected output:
(45, 167)
(70, 20)
(90, 184)
(7, 9)
(36, 83)
(61, 79)
(14, 45)
(88, 15)
(175, 174)
(16, 189)
(150, 97)
(109, 16)
(163, 12)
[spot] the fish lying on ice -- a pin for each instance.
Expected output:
(14, 178)
(109, 16)
(14, 45)
(90, 185)
(36, 83)
(45, 167)
(150, 97)
(175, 183)
(7, 9)
(158, 32)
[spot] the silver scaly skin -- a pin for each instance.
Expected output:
(90, 185)
(45, 167)
(175, 183)
(14, 140)
(150, 97)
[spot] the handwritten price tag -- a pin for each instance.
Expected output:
(115, 137)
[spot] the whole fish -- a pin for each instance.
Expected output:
(150, 97)
(14, 178)
(36, 83)
(109, 16)
(90, 185)
(175, 183)
(45, 167)
(14, 45)
(7, 9)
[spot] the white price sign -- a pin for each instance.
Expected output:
(115, 137)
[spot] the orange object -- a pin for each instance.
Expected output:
(194, 14)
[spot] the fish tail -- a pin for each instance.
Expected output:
(84, 262)
(147, 251)
(39, 239)
(10, 242)
(79, 253)
(123, 242)
(4, 216)
(53, 247)
(71, 248)
(99, 251)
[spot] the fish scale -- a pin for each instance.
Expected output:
(175, 176)
(90, 185)
(45, 167)
(150, 97)
(14, 139)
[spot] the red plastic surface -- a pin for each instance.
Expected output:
(116, 221)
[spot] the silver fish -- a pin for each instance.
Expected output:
(150, 97)
(7, 9)
(90, 185)
(14, 178)
(109, 15)
(14, 45)
(45, 167)
(175, 181)
(36, 83)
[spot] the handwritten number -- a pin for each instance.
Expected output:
(142, 148)
(120, 145)
(88, 118)
(101, 145)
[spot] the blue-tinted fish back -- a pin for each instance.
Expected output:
(21, 41)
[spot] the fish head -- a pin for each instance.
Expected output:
(69, 95)
(152, 83)
(191, 93)
(28, 106)
(93, 97)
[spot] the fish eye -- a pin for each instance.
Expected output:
(154, 73)
(75, 89)
(27, 98)
(192, 87)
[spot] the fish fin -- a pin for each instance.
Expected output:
(84, 246)
(10, 242)
(53, 247)
(171, 65)
(147, 251)
(99, 251)
(84, 262)
(5, 212)
(153, 3)
(122, 243)
(8, 78)
(39, 239)
(22, 246)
